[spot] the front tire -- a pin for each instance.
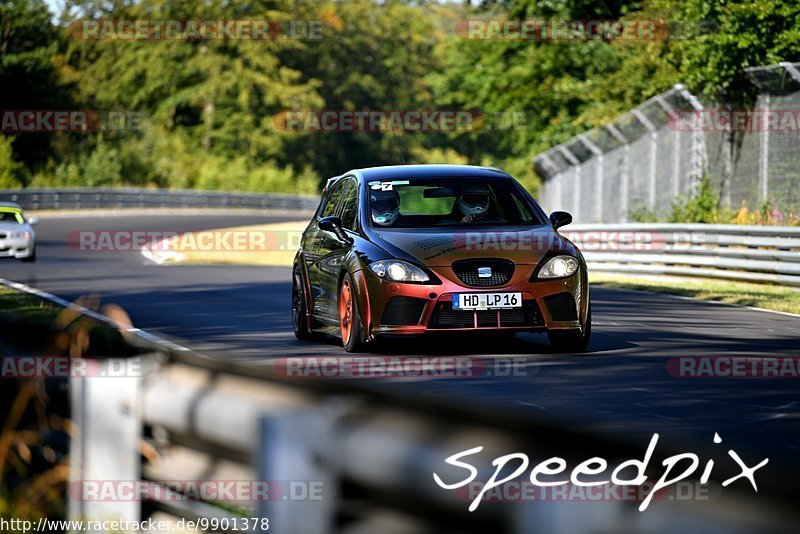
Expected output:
(32, 257)
(349, 317)
(573, 341)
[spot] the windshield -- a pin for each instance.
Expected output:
(449, 202)
(11, 215)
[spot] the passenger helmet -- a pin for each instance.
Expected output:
(473, 199)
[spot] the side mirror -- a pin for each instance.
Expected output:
(334, 224)
(559, 219)
(33, 221)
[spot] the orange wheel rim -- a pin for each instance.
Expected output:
(346, 311)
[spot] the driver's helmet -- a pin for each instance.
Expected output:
(385, 206)
(473, 199)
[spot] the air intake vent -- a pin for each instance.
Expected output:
(562, 307)
(444, 316)
(403, 311)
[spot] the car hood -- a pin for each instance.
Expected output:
(440, 248)
(14, 227)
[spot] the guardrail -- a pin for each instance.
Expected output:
(93, 198)
(730, 252)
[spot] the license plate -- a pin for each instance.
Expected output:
(486, 301)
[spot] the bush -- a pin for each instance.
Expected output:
(641, 213)
(219, 173)
(701, 207)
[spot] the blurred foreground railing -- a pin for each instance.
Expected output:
(337, 457)
(731, 252)
(94, 198)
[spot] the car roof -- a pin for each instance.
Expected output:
(391, 172)
(10, 205)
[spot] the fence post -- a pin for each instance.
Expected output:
(763, 155)
(596, 152)
(625, 175)
(676, 140)
(577, 172)
(651, 128)
(697, 159)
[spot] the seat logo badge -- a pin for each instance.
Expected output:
(484, 272)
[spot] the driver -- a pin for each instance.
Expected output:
(385, 206)
(473, 202)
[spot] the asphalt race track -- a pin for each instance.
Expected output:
(621, 388)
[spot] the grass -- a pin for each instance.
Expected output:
(770, 297)
(27, 306)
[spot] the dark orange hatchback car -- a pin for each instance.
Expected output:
(418, 249)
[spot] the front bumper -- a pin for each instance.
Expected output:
(13, 247)
(410, 309)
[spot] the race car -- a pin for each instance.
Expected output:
(423, 249)
(17, 237)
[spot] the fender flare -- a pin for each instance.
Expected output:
(353, 266)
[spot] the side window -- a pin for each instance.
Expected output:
(332, 201)
(522, 211)
(350, 206)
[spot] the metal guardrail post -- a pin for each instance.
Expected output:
(106, 410)
(296, 457)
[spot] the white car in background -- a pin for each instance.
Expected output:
(17, 237)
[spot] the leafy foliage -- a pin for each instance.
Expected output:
(208, 108)
(701, 207)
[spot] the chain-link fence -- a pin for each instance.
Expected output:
(638, 166)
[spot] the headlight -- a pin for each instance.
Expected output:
(559, 267)
(398, 271)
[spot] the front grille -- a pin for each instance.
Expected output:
(467, 271)
(3, 235)
(562, 307)
(445, 317)
(401, 311)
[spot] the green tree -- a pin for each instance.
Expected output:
(9, 169)
(29, 74)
